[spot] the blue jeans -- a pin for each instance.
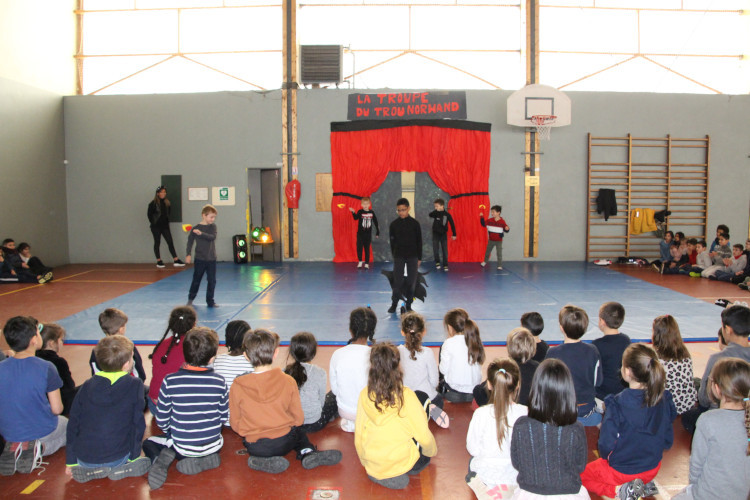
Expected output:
(209, 268)
(591, 419)
(108, 464)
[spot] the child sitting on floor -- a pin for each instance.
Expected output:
(554, 469)
(491, 473)
(318, 407)
(391, 434)
(734, 266)
(582, 360)
(53, 338)
(114, 322)
(193, 405)
(636, 429)
(234, 363)
(267, 412)
(611, 346)
(349, 365)
(723, 437)
(675, 358)
(418, 363)
(461, 357)
(106, 422)
(30, 420)
(534, 323)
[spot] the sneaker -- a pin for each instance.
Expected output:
(49, 276)
(347, 425)
(631, 491)
(178, 263)
(483, 264)
(157, 475)
(650, 489)
(41, 280)
(159, 264)
(445, 269)
(439, 416)
(695, 275)
(437, 266)
(272, 465)
(28, 456)
(131, 468)
(743, 286)
(213, 305)
(499, 268)
(359, 264)
(85, 474)
(318, 458)
(392, 309)
(189, 302)
(656, 268)
(367, 266)
(8, 460)
(195, 465)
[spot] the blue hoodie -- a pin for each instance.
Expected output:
(633, 436)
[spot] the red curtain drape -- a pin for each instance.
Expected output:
(455, 155)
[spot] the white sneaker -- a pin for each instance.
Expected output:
(499, 268)
(367, 266)
(483, 264)
(360, 264)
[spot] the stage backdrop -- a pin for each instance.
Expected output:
(455, 154)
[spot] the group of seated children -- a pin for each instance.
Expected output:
(17, 265)
(526, 438)
(721, 261)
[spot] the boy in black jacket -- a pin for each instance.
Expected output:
(106, 422)
(406, 247)
(440, 232)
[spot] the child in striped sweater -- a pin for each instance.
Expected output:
(193, 404)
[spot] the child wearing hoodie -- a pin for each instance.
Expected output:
(391, 435)
(636, 429)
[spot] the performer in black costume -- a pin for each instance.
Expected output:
(406, 247)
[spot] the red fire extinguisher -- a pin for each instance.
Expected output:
(293, 191)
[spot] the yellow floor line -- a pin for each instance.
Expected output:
(113, 281)
(33, 486)
(20, 290)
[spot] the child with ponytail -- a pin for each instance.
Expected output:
(636, 429)
(391, 434)
(419, 365)
(720, 456)
(167, 356)
(318, 408)
(491, 473)
(461, 357)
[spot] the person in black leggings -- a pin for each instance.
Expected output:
(158, 216)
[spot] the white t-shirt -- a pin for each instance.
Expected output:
(492, 462)
(420, 374)
(455, 367)
(348, 376)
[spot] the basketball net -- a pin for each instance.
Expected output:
(543, 125)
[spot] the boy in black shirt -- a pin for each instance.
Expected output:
(367, 219)
(534, 323)
(611, 347)
(440, 232)
(406, 247)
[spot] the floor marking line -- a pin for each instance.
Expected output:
(74, 275)
(257, 295)
(20, 290)
(33, 486)
(113, 281)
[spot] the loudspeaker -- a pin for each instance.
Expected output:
(239, 248)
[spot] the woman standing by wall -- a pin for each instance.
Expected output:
(158, 216)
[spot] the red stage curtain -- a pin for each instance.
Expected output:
(457, 158)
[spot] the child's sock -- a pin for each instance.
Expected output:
(439, 416)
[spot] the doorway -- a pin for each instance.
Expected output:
(264, 210)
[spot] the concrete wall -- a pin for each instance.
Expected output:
(36, 68)
(118, 146)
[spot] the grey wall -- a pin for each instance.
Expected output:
(32, 198)
(118, 146)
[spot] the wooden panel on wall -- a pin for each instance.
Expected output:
(323, 192)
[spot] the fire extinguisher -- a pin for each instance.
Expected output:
(293, 191)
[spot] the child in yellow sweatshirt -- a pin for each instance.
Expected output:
(390, 419)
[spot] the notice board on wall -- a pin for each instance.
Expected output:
(173, 183)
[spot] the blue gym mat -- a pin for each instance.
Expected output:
(318, 296)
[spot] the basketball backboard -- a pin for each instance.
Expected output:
(537, 99)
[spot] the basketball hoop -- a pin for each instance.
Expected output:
(543, 125)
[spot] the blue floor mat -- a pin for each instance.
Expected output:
(318, 296)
